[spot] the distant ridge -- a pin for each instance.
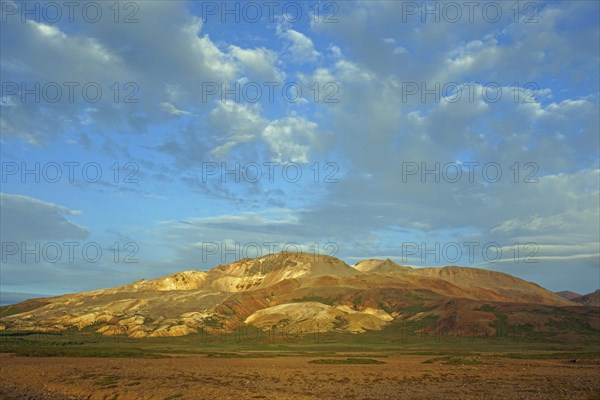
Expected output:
(567, 294)
(590, 299)
(307, 290)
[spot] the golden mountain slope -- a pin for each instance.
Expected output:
(291, 288)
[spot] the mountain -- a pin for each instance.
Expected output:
(306, 290)
(567, 294)
(471, 283)
(590, 299)
(8, 298)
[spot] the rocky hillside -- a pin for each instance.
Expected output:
(305, 290)
(590, 299)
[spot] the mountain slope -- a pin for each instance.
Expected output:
(471, 283)
(567, 294)
(303, 290)
(590, 299)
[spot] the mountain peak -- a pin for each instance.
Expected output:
(285, 260)
(183, 280)
(300, 256)
(378, 265)
(256, 273)
(567, 294)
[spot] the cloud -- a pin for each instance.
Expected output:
(301, 48)
(234, 124)
(371, 133)
(291, 139)
(171, 109)
(133, 78)
(258, 64)
(26, 219)
(204, 242)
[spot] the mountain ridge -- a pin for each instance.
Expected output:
(591, 299)
(298, 288)
(567, 294)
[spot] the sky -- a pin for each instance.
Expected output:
(142, 138)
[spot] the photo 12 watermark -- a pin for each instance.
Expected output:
(453, 12)
(270, 91)
(68, 252)
(471, 92)
(68, 172)
(69, 92)
(54, 12)
(471, 251)
(469, 172)
(271, 172)
(233, 251)
(290, 12)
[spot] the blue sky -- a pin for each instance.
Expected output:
(516, 115)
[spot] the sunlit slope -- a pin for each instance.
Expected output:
(302, 290)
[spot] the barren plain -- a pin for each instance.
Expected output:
(298, 377)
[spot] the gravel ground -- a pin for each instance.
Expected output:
(199, 377)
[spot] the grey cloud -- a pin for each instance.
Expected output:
(28, 219)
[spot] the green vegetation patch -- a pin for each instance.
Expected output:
(416, 308)
(318, 299)
(571, 324)
(486, 307)
(452, 360)
(224, 354)
(552, 356)
(65, 351)
(346, 361)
